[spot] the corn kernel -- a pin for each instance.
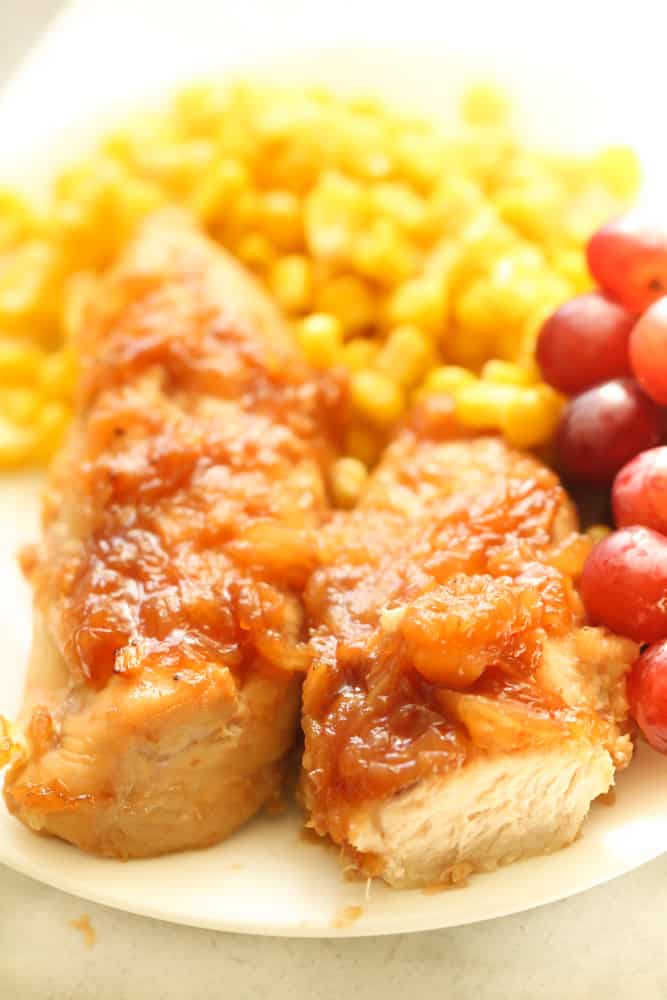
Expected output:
(350, 299)
(240, 217)
(398, 203)
(290, 280)
(515, 289)
(571, 265)
(176, 166)
(199, 107)
(420, 156)
(50, 427)
(219, 188)
(405, 355)
(534, 211)
(16, 219)
(492, 310)
(456, 201)
(420, 302)
(321, 338)
(256, 251)
(19, 405)
(506, 342)
(57, 374)
(135, 199)
(505, 373)
(469, 350)
(376, 397)
(484, 151)
(367, 163)
(483, 241)
(79, 291)
(281, 220)
(484, 104)
(484, 405)
(441, 263)
(141, 133)
(532, 416)
(474, 309)
(17, 445)
(448, 379)
(86, 181)
(619, 170)
(19, 362)
(335, 212)
(25, 276)
(348, 478)
(382, 253)
(358, 353)
(533, 323)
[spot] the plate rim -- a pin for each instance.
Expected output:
(46, 45)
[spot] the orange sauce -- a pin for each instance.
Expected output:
(193, 445)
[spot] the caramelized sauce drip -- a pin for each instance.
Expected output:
(54, 797)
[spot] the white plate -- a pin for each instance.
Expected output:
(266, 879)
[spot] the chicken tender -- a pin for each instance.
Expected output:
(459, 713)
(179, 528)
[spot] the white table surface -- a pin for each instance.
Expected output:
(607, 943)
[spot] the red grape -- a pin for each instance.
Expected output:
(585, 342)
(648, 350)
(639, 494)
(647, 694)
(603, 428)
(628, 259)
(624, 584)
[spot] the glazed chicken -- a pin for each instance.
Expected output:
(459, 713)
(164, 683)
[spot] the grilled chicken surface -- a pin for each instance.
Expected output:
(459, 714)
(164, 682)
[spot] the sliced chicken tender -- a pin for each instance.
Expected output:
(459, 713)
(179, 528)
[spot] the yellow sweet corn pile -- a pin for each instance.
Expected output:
(424, 261)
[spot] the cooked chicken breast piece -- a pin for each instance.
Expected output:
(164, 684)
(459, 713)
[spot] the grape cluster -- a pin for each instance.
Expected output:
(608, 350)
